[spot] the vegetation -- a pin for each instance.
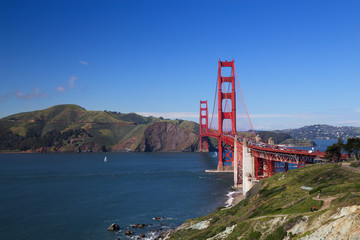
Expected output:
(70, 128)
(352, 147)
(276, 136)
(333, 152)
(280, 203)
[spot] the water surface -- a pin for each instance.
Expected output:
(77, 196)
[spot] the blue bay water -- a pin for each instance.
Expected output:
(321, 144)
(77, 196)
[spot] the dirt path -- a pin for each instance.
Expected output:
(347, 166)
(326, 200)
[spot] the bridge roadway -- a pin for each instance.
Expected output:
(253, 160)
(267, 151)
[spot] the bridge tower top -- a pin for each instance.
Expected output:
(228, 95)
(203, 117)
(203, 126)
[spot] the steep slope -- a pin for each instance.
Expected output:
(278, 208)
(70, 128)
(167, 137)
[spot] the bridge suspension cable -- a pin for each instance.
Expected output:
(244, 103)
(216, 89)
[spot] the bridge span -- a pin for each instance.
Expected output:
(247, 156)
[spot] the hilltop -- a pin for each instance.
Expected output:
(279, 208)
(284, 138)
(322, 131)
(71, 128)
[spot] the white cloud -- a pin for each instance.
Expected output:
(83, 63)
(35, 93)
(71, 81)
(60, 89)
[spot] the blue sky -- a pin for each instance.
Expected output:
(298, 62)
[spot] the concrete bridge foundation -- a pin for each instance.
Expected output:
(247, 168)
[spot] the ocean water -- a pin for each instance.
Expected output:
(321, 144)
(77, 196)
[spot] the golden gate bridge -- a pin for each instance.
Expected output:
(247, 156)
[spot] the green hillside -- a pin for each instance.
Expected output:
(279, 208)
(71, 128)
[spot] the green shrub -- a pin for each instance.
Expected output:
(254, 235)
(278, 234)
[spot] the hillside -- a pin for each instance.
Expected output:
(71, 128)
(322, 131)
(278, 208)
(284, 138)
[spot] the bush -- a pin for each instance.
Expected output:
(254, 235)
(355, 164)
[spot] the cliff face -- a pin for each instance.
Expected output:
(167, 137)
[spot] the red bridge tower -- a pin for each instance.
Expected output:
(226, 101)
(203, 123)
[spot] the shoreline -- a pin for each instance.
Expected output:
(234, 197)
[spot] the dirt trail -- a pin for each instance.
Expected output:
(347, 166)
(326, 200)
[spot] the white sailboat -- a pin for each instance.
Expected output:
(105, 159)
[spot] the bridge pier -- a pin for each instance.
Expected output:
(247, 168)
(237, 164)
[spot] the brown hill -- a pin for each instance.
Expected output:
(70, 128)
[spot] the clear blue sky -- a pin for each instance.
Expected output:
(298, 62)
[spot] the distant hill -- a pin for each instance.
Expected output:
(322, 131)
(71, 128)
(283, 138)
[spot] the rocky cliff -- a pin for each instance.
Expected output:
(167, 137)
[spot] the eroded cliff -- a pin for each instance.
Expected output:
(167, 137)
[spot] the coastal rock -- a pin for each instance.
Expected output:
(165, 234)
(344, 225)
(113, 227)
(129, 232)
(201, 225)
(142, 235)
(223, 234)
(191, 225)
(138, 225)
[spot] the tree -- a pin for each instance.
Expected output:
(352, 147)
(333, 152)
(356, 148)
(349, 146)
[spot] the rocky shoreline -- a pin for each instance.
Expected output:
(234, 198)
(160, 230)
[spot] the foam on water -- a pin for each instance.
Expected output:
(231, 197)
